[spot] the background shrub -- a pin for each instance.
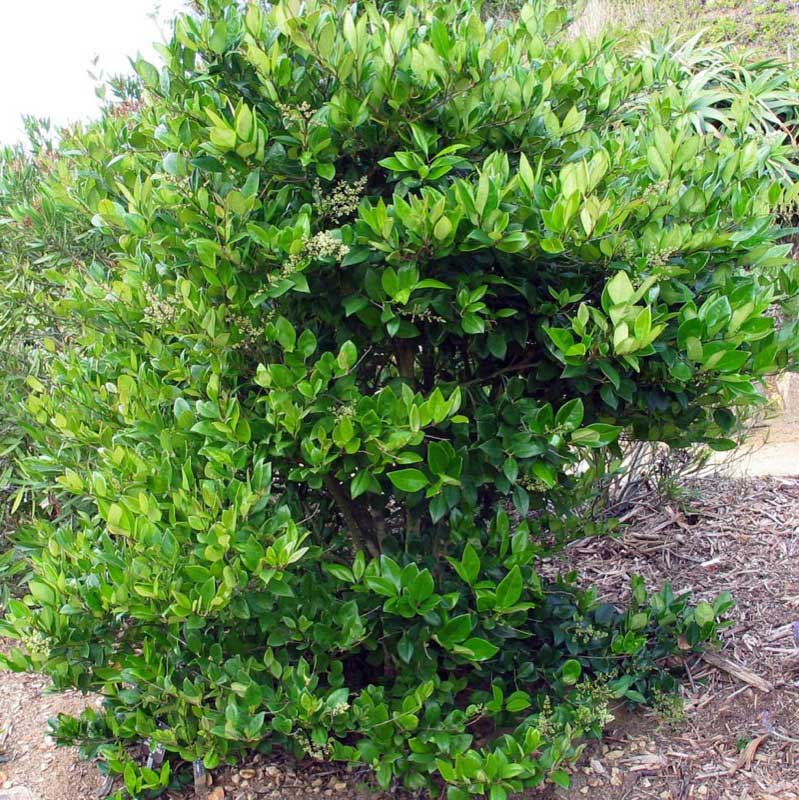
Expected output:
(43, 236)
(369, 287)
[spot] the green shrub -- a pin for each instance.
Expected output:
(375, 284)
(41, 234)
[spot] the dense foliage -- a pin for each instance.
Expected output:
(361, 292)
(40, 235)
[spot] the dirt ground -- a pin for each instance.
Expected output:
(773, 444)
(727, 740)
(28, 758)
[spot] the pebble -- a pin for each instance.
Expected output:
(340, 786)
(217, 794)
(17, 793)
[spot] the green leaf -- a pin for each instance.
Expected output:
(286, 335)
(473, 323)
(620, 289)
(148, 73)
(571, 671)
(552, 245)
(518, 701)
(442, 228)
(596, 435)
(470, 563)
(339, 571)
(408, 480)
(42, 593)
(545, 473)
(704, 613)
(244, 123)
(405, 648)
(570, 414)
(560, 778)
(456, 630)
(347, 356)
(174, 164)
(477, 649)
(510, 589)
(223, 138)
(364, 482)
(218, 39)
(526, 174)
(439, 456)
(326, 171)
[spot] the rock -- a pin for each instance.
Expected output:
(340, 786)
(217, 794)
(272, 773)
(16, 793)
(597, 767)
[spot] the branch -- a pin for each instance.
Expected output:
(360, 538)
(504, 371)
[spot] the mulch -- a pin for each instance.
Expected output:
(737, 735)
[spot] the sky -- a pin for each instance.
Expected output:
(47, 47)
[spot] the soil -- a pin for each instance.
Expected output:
(29, 757)
(773, 446)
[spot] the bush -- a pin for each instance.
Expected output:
(374, 284)
(42, 235)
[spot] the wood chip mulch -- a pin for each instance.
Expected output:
(737, 736)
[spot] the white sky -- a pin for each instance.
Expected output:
(47, 46)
